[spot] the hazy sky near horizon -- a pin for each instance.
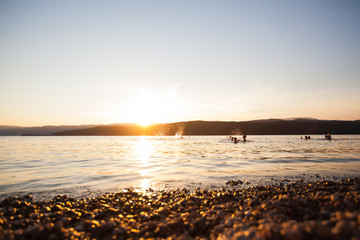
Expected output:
(99, 62)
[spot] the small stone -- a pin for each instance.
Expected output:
(342, 229)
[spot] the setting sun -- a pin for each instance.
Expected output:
(144, 123)
(148, 108)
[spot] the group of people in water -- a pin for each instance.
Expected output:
(327, 137)
(236, 140)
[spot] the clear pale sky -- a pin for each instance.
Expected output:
(101, 62)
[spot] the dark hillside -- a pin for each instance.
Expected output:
(38, 131)
(257, 127)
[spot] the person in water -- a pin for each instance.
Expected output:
(328, 136)
(244, 137)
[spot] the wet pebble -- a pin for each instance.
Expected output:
(289, 210)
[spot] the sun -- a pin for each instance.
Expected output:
(144, 123)
(148, 108)
(145, 107)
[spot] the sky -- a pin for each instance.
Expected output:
(102, 62)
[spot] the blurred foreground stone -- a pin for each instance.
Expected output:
(299, 210)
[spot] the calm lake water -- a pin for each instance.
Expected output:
(86, 166)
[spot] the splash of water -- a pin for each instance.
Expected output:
(180, 130)
(237, 131)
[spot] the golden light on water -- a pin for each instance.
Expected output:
(145, 185)
(144, 149)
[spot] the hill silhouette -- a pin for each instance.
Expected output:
(38, 131)
(256, 127)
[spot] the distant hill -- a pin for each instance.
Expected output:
(302, 126)
(7, 127)
(42, 131)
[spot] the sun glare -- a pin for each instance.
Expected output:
(148, 108)
(144, 123)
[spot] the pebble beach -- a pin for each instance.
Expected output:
(320, 209)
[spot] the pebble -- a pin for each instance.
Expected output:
(291, 210)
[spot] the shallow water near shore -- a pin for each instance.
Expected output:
(85, 166)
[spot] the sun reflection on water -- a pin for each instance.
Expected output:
(145, 185)
(144, 149)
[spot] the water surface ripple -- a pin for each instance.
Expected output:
(80, 165)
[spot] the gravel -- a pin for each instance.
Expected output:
(286, 210)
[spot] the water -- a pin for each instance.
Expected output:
(85, 166)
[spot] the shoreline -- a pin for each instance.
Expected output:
(320, 209)
(253, 178)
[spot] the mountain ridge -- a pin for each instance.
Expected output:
(254, 127)
(272, 126)
(38, 131)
